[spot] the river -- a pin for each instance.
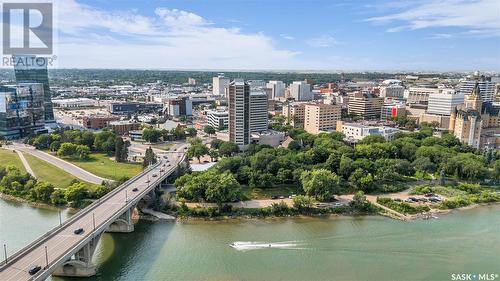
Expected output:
(344, 248)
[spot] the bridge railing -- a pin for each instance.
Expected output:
(103, 225)
(75, 217)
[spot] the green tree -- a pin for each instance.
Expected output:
(151, 135)
(228, 148)
(67, 149)
(321, 184)
(43, 192)
(301, 202)
(222, 188)
(192, 132)
(76, 193)
(214, 155)
(149, 158)
(209, 130)
(82, 151)
(198, 151)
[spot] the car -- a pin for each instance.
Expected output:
(205, 161)
(155, 175)
(185, 148)
(282, 197)
(34, 269)
(423, 200)
(429, 195)
(78, 231)
(234, 200)
(337, 204)
(321, 205)
(435, 199)
(397, 199)
(135, 189)
(409, 200)
(274, 197)
(414, 199)
(165, 157)
(162, 170)
(147, 181)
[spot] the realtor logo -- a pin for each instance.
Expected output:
(27, 28)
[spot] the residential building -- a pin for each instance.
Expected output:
(33, 69)
(300, 91)
(444, 103)
(321, 117)
(258, 112)
(277, 89)
(486, 86)
(239, 112)
(218, 119)
(365, 105)
(191, 81)
(22, 111)
(219, 85)
(294, 114)
(392, 110)
(272, 138)
(97, 122)
(180, 107)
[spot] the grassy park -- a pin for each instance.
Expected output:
(101, 165)
(267, 193)
(49, 173)
(10, 157)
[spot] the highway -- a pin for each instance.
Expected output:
(61, 241)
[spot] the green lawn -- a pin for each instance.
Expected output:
(8, 157)
(101, 165)
(260, 193)
(49, 173)
(162, 146)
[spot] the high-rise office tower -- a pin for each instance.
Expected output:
(301, 91)
(277, 89)
(486, 86)
(33, 69)
(239, 112)
(21, 110)
(220, 83)
(247, 112)
(258, 111)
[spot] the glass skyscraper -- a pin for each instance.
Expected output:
(22, 111)
(33, 69)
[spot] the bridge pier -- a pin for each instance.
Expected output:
(124, 223)
(80, 265)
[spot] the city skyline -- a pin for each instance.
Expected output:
(450, 35)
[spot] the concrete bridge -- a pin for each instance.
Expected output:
(61, 252)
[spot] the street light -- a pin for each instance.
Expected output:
(5, 252)
(60, 220)
(93, 220)
(46, 258)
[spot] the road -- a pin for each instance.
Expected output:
(64, 165)
(63, 240)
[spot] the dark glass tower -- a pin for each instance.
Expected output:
(33, 69)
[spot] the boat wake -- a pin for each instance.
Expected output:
(247, 246)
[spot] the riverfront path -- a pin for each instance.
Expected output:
(65, 165)
(25, 163)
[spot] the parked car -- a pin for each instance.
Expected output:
(414, 199)
(274, 197)
(135, 189)
(409, 200)
(338, 205)
(397, 199)
(155, 175)
(282, 197)
(435, 199)
(147, 181)
(429, 195)
(34, 269)
(423, 200)
(78, 231)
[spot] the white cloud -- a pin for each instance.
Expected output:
(286, 36)
(323, 41)
(481, 15)
(170, 39)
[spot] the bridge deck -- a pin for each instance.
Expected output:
(62, 240)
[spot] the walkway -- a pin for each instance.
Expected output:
(66, 166)
(25, 163)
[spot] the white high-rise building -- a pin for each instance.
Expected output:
(258, 111)
(301, 91)
(487, 89)
(220, 83)
(444, 103)
(256, 83)
(277, 89)
(218, 119)
(247, 112)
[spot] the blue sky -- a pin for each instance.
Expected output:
(445, 35)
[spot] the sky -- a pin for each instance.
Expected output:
(351, 35)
